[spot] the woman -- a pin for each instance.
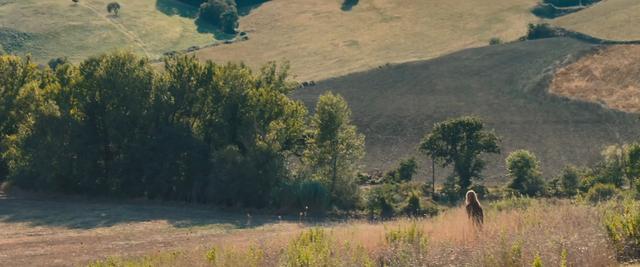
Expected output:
(474, 210)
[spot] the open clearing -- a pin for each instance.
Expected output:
(610, 77)
(67, 232)
(610, 19)
(506, 85)
(321, 41)
(54, 28)
(64, 232)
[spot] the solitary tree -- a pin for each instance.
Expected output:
(113, 7)
(524, 170)
(75, 1)
(334, 148)
(459, 142)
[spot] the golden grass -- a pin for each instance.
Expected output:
(509, 238)
(321, 41)
(610, 77)
(609, 19)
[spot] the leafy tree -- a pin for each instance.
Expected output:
(223, 13)
(611, 170)
(524, 170)
(19, 79)
(334, 148)
(460, 142)
(570, 180)
(75, 1)
(113, 7)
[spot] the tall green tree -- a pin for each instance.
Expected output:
(524, 169)
(460, 142)
(334, 149)
(19, 81)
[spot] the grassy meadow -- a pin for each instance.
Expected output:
(56, 28)
(517, 232)
(609, 19)
(321, 41)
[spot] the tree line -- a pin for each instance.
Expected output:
(116, 126)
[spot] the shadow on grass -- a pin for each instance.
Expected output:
(347, 5)
(89, 214)
(177, 8)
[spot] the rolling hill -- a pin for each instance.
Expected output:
(610, 77)
(611, 19)
(322, 41)
(506, 85)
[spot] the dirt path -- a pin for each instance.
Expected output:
(66, 232)
(120, 27)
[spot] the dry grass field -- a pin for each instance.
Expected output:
(610, 77)
(506, 85)
(609, 19)
(321, 41)
(66, 232)
(72, 232)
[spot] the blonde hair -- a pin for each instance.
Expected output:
(471, 197)
(474, 210)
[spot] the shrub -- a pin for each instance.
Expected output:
(569, 181)
(404, 172)
(310, 248)
(406, 246)
(513, 202)
(252, 257)
(623, 228)
(314, 196)
(450, 192)
(601, 192)
(55, 62)
(379, 202)
(540, 31)
(412, 207)
(495, 41)
(524, 170)
(349, 4)
(537, 261)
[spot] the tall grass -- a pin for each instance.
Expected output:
(540, 233)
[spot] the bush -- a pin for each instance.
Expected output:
(389, 200)
(450, 192)
(623, 228)
(310, 248)
(569, 181)
(313, 196)
(406, 246)
(404, 172)
(379, 202)
(524, 170)
(55, 62)
(601, 192)
(495, 41)
(540, 31)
